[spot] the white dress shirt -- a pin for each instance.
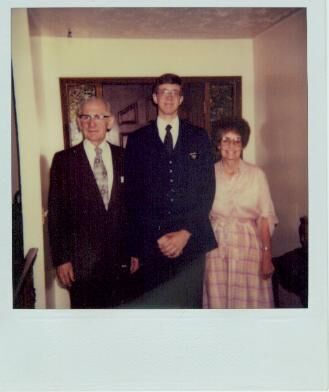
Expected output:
(106, 156)
(161, 124)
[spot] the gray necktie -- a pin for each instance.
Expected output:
(168, 140)
(100, 174)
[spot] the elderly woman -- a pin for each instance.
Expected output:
(237, 273)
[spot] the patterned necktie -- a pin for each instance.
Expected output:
(100, 174)
(168, 140)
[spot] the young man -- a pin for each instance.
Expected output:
(86, 212)
(169, 191)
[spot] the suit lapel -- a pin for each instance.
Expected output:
(182, 144)
(83, 166)
(154, 138)
(117, 164)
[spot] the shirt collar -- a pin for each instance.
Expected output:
(161, 123)
(91, 148)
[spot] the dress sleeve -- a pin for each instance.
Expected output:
(265, 202)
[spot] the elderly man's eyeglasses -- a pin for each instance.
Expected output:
(167, 93)
(227, 140)
(96, 117)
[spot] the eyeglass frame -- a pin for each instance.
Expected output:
(235, 142)
(172, 93)
(96, 117)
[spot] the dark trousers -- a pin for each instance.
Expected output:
(179, 287)
(91, 295)
(109, 293)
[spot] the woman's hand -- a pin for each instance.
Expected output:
(266, 267)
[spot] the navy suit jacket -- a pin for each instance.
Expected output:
(146, 176)
(81, 230)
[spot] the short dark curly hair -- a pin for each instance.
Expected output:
(166, 78)
(236, 124)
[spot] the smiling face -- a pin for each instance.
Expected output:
(94, 120)
(231, 146)
(168, 98)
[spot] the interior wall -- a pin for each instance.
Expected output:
(29, 147)
(69, 57)
(280, 57)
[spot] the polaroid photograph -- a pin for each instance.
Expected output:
(166, 164)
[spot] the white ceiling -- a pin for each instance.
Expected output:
(162, 23)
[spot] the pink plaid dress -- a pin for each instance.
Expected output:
(232, 273)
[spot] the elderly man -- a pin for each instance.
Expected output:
(170, 187)
(87, 218)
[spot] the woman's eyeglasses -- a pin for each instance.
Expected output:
(227, 140)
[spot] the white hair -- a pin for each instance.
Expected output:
(85, 100)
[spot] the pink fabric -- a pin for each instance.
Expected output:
(232, 278)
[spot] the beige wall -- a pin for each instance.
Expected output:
(281, 122)
(62, 57)
(28, 139)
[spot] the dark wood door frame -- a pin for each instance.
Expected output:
(73, 89)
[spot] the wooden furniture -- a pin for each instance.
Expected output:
(24, 292)
(291, 269)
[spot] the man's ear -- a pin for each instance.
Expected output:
(181, 99)
(77, 120)
(155, 98)
(110, 122)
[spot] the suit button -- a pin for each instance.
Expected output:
(170, 171)
(171, 180)
(172, 200)
(170, 162)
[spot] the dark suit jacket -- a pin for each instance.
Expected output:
(81, 230)
(146, 176)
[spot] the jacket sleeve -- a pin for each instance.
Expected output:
(204, 192)
(58, 212)
(133, 188)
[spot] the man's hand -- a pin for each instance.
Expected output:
(173, 244)
(65, 274)
(134, 265)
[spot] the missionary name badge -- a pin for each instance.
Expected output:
(194, 155)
